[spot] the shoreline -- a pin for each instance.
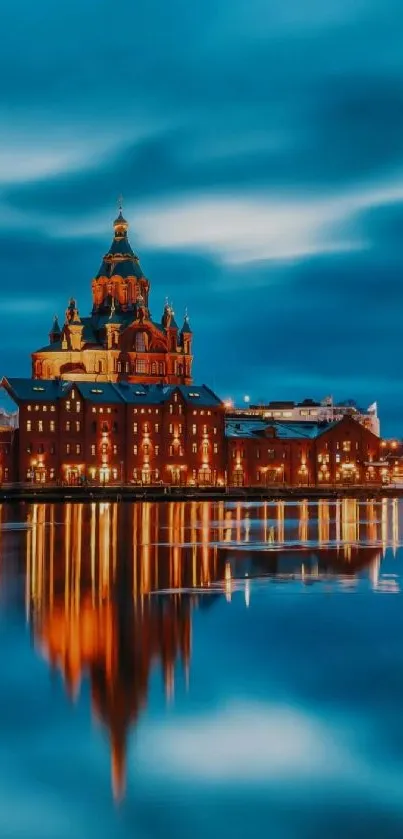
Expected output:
(177, 493)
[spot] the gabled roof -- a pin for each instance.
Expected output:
(36, 390)
(99, 392)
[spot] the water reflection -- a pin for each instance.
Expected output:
(110, 589)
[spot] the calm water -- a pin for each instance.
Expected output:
(201, 670)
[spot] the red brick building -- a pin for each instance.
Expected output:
(264, 453)
(104, 432)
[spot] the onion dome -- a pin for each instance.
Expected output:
(120, 225)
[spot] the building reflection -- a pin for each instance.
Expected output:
(110, 588)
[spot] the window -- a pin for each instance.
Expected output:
(146, 427)
(78, 406)
(205, 449)
(29, 407)
(105, 428)
(115, 448)
(157, 449)
(337, 458)
(135, 428)
(78, 448)
(40, 425)
(52, 425)
(104, 448)
(36, 407)
(78, 426)
(52, 474)
(346, 445)
(171, 428)
(271, 454)
(179, 409)
(140, 342)
(171, 409)
(29, 449)
(156, 428)
(146, 448)
(67, 448)
(171, 450)
(53, 407)
(257, 452)
(135, 449)
(44, 407)
(215, 448)
(29, 425)
(94, 410)
(194, 448)
(180, 428)
(215, 429)
(68, 425)
(93, 449)
(181, 451)
(194, 429)
(141, 366)
(68, 405)
(204, 429)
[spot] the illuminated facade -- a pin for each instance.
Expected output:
(118, 433)
(119, 341)
(266, 453)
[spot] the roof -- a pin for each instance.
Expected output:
(282, 430)
(50, 390)
(38, 390)
(101, 392)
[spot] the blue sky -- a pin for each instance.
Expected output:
(259, 149)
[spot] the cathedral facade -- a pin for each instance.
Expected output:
(119, 341)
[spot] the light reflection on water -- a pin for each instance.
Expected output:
(221, 649)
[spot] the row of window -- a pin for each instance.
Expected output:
(41, 407)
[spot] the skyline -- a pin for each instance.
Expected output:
(258, 152)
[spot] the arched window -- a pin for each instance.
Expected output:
(161, 368)
(153, 369)
(140, 342)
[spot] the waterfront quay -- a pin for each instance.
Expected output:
(35, 492)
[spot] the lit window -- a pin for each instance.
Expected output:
(194, 448)
(78, 426)
(29, 407)
(68, 425)
(205, 449)
(109, 410)
(68, 405)
(44, 407)
(135, 449)
(40, 425)
(171, 428)
(204, 429)
(156, 427)
(94, 410)
(67, 448)
(146, 448)
(53, 407)
(93, 449)
(180, 428)
(73, 395)
(78, 448)
(29, 425)
(179, 409)
(171, 450)
(37, 407)
(171, 409)
(346, 445)
(215, 429)
(104, 448)
(52, 425)
(115, 448)
(146, 428)
(157, 449)
(135, 428)
(194, 429)
(78, 406)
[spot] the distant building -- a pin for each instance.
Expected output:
(311, 411)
